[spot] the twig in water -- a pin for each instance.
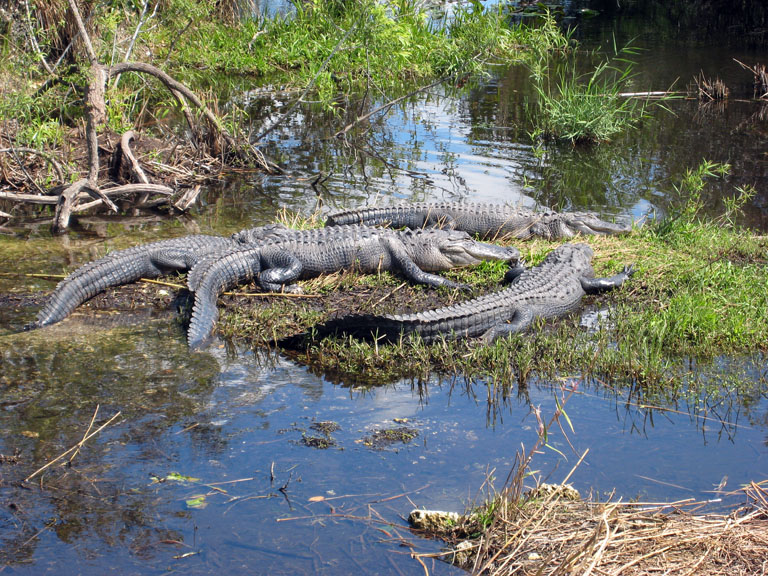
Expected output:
(388, 105)
(90, 425)
(75, 447)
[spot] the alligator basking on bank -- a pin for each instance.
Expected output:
(553, 288)
(275, 264)
(488, 221)
(276, 256)
(132, 264)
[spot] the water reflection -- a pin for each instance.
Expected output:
(205, 470)
(475, 145)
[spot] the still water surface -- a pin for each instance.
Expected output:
(207, 468)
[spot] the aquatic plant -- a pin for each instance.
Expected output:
(589, 107)
(708, 89)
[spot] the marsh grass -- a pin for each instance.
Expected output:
(556, 534)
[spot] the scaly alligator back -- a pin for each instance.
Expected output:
(553, 288)
(487, 221)
(279, 262)
(121, 267)
(215, 276)
(144, 261)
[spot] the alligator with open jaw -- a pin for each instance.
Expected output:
(553, 288)
(130, 265)
(489, 221)
(276, 264)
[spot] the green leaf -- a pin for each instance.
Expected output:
(176, 477)
(197, 501)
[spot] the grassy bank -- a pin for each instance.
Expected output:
(699, 292)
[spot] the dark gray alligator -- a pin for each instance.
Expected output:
(275, 264)
(553, 288)
(129, 265)
(489, 221)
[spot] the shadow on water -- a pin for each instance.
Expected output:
(211, 464)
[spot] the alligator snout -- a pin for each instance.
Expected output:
(482, 251)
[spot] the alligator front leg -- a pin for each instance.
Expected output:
(598, 285)
(410, 270)
(514, 272)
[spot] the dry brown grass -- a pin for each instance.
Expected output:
(554, 536)
(709, 89)
(566, 537)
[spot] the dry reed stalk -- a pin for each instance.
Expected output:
(88, 435)
(709, 90)
(760, 79)
(554, 536)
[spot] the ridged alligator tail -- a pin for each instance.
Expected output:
(276, 264)
(130, 265)
(553, 288)
(488, 221)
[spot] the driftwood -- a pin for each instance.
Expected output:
(87, 192)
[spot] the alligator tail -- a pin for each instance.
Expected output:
(218, 275)
(91, 279)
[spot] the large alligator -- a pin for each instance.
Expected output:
(275, 264)
(553, 288)
(488, 221)
(129, 265)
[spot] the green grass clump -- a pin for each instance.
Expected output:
(584, 108)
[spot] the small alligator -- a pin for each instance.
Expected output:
(275, 264)
(553, 288)
(488, 221)
(129, 265)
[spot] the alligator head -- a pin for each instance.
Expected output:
(572, 223)
(434, 250)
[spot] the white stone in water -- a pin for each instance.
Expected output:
(433, 520)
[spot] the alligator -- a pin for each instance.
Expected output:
(487, 221)
(275, 264)
(144, 261)
(553, 288)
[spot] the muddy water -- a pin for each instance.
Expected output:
(218, 461)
